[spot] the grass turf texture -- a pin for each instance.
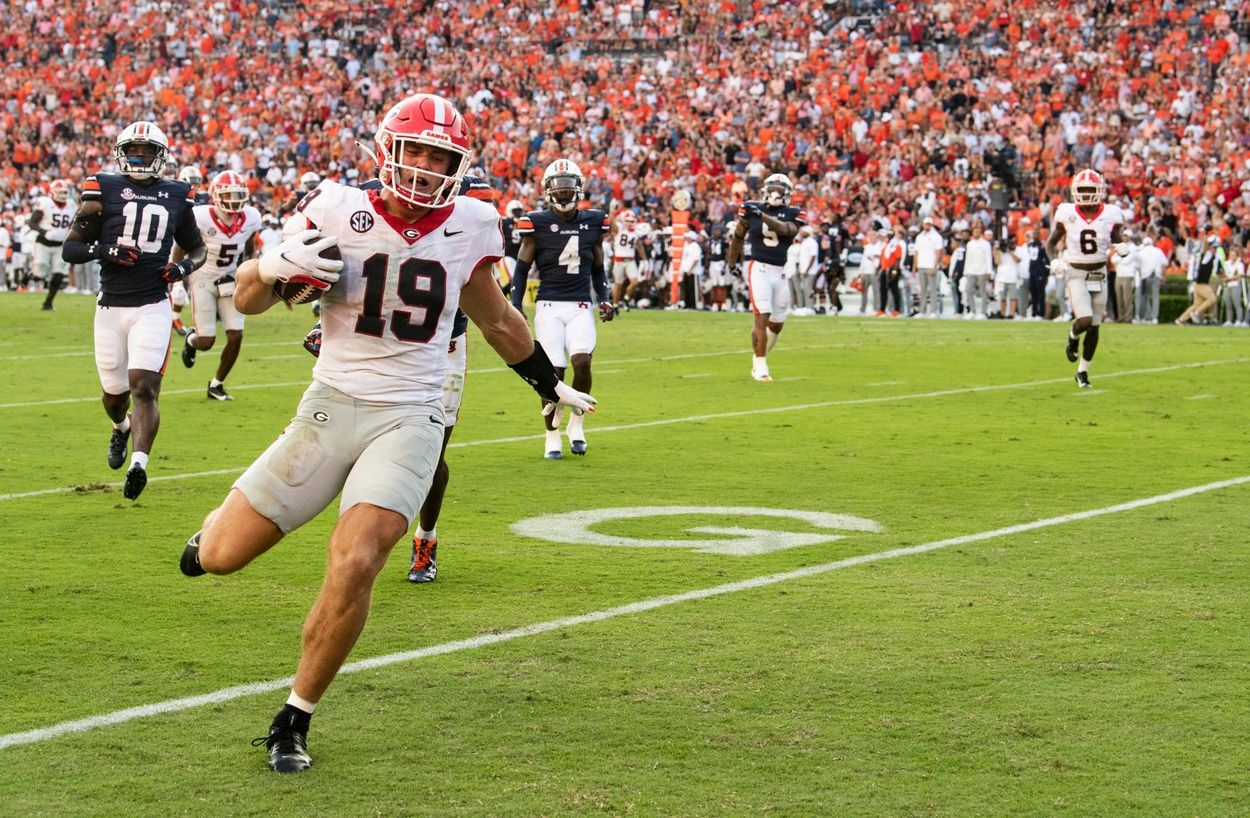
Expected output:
(1090, 668)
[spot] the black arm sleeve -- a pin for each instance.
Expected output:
(80, 245)
(537, 371)
(519, 275)
(187, 236)
(599, 277)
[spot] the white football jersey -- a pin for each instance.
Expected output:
(624, 243)
(386, 323)
(1087, 241)
(56, 218)
(225, 243)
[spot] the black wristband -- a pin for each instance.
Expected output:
(537, 371)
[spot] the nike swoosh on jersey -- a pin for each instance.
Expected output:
(450, 233)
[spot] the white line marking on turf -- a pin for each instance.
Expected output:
(697, 375)
(1200, 397)
(885, 383)
(463, 444)
(239, 691)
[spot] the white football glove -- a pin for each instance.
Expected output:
(1059, 268)
(578, 402)
(299, 257)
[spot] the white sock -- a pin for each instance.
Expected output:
(124, 426)
(215, 383)
(139, 459)
(295, 700)
(575, 427)
(191, 338)
(1071, 335)
(422, 534)
(1082, 365)
(772, 341)
(553, 441)
(759, 362)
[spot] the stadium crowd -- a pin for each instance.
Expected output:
(883, 114)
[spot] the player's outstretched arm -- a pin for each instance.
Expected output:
(506, 330)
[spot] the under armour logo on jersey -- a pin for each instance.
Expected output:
(361, 221)
(164, 194)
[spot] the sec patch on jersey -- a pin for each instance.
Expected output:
(303, 289)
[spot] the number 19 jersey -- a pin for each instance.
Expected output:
(1087, 240)
(386, 323)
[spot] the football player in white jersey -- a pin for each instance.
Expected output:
(50, 221)
(624, 258)
(370, 426)
(1087, 228)
(229, 226)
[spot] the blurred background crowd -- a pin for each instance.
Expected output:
(972, 113)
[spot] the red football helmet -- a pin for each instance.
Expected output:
(228, 192)
(429, 120)
(60, 190)
(1088, 188)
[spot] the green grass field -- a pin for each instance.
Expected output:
(1093, 667)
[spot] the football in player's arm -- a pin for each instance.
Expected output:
(565, 245)
(1086, 228)
(129, 223)
(370, 426)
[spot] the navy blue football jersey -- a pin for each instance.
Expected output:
(763, 244)
(511, 236)
(564, 252)
(149, 218)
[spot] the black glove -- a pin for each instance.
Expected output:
(312, 341)
(751, 209)
(736, 271)
(117, 254)
(177, 271)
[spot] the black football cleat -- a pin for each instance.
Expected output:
(556, 455)
(117, 448)
(287, 745)
(219, 392)
(136, 480)
(424, 560)
(190, 562)
(188, 355)
(578, 446)
(1071, 350)
(1082, 380)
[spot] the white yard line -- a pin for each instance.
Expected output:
(698, 418)
(253, 688)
